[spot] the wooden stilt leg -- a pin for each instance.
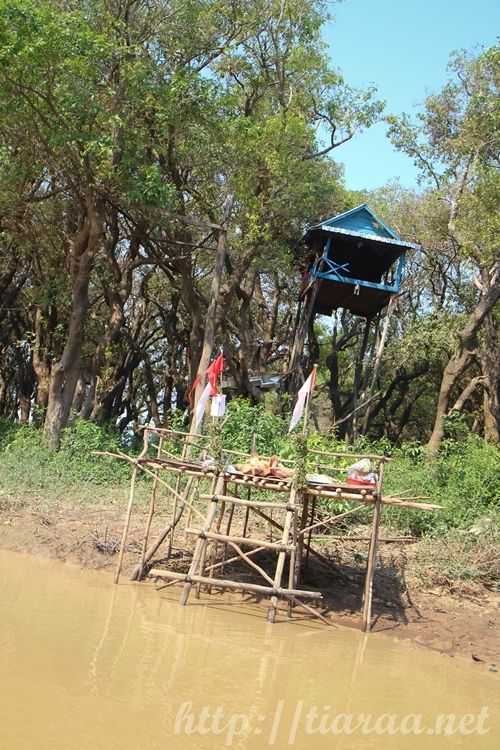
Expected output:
(215, 547)
(245, 522)
(300, 543)
(370, 568)
(202, 541)
(170, 542)
(228, 529)
(201, 571)
(291, 570)
(152, 503)
(168, 529)
(271, 613)
(308, 547)
(127, 524)
(129, 507)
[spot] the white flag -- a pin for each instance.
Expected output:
(302, 397)
(201, 406)
(218, 405)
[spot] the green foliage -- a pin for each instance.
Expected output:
(26, 463)
(8, 429)
(244, 421)
(465, 480)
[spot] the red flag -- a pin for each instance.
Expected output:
(213, 373)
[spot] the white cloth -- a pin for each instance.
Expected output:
(218, 405)
(302, 397)
(201, 406)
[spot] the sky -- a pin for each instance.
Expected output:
(403, 47)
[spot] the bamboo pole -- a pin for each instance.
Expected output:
(126, 525)
(235, 585)
(170, 542)
(278, 546)
(154, 546)
(247, 514)
(271, 613)
(300, 544)
(301, 332)
(378, 358)
(201, 543)
(245, 556)
(251, 503)
(129, 508)
(310, 531)
(203, 557)
(360, 538)
(222, 563)
(370, 498)
(293, 600)
(152, 502)
(215, 547)
(358, 374)
(372, 554)
(291, 564)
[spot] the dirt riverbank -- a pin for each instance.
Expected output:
(434, 615)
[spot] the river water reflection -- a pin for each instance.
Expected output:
(87, 665)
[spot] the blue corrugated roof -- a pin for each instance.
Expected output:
(364, 235)
(363, 222)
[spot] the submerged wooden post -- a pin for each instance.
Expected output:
(129, 507)
(127, 524)
(215, 548)
(271, 613)
(372, 555)
(291, 571)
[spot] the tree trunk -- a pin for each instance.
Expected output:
(44, 324)
(210, 321)
(378, 360)
(65, 373)
(489, 356)
(461, 360)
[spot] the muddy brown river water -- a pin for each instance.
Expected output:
(86, 665)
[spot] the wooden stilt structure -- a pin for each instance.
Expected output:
(224, 533)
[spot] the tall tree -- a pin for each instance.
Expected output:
(456, 145)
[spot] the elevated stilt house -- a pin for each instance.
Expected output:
(352, 261)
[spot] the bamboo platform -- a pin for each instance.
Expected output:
(222, 518)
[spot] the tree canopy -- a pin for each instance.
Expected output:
(160, 160)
